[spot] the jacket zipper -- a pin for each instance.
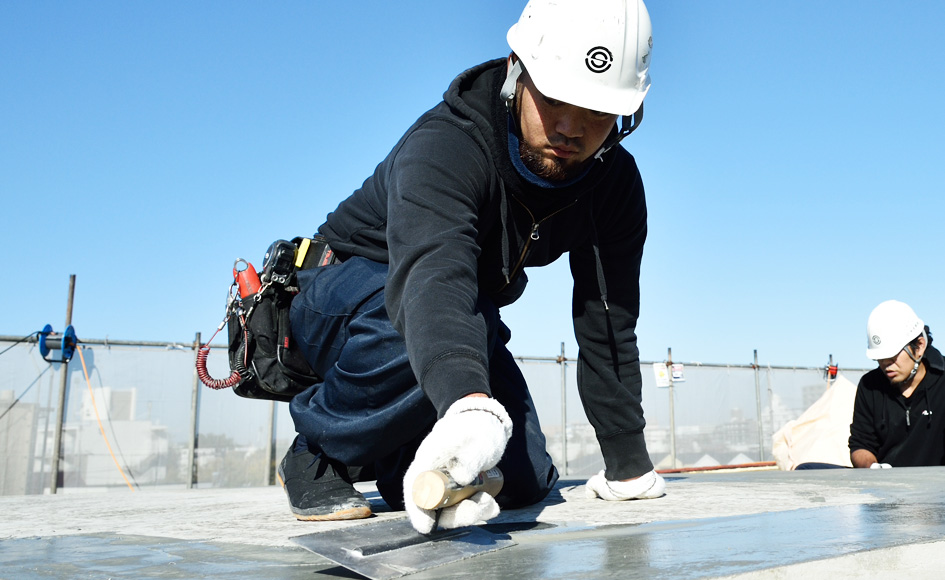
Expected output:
(532, 236)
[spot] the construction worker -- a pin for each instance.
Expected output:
(899, 410)
(517, 165)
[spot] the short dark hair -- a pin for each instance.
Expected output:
(914, 343)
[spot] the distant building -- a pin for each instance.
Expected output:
(136, 451)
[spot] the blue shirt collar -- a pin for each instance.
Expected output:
(527, 174)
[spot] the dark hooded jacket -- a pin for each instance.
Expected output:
(902, 431)
(454, 218)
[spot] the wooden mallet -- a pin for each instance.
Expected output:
(434, 489)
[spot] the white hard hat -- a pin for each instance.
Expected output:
(593, 54)
(891, 326)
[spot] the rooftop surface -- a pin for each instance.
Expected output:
(759, 524)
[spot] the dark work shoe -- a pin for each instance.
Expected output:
(319, 488)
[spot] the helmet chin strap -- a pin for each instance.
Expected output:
(507, 93)
(628, 124)
(915, 367)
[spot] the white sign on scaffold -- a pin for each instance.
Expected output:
(662, 375)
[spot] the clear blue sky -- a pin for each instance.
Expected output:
(792, 154)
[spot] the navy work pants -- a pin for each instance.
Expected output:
(369, 410)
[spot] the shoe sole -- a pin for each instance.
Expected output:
(358, 513)
(355, 513)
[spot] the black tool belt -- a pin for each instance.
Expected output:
(261, 347)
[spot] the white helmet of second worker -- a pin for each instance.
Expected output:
(593, 54)
(891, 326)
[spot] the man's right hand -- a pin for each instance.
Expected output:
(470, 438)
(650, 485)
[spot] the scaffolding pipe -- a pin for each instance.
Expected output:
(562, 362)
(60, 416)
(194, 413)
(672, 413)
(770, 405)
(270, 477)
(761, 427)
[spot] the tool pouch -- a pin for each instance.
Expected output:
(261, 347)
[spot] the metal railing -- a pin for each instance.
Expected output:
(134, 414)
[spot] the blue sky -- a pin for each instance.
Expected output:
(792, 154)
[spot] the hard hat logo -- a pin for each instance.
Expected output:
(599, 59)
(876, 340)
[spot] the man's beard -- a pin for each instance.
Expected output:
(903, 382)
(553, 169)
(897, 382)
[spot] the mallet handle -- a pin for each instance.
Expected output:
(434, 489)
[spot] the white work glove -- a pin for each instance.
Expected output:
(648, 486)
(470, 438)
(880, 466)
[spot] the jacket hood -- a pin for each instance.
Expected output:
(474, 95)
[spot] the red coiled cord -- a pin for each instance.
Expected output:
(204, 375)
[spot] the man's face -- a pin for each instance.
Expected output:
(557, 139)
(897, 368)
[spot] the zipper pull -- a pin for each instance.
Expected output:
(907, 417)
(534, 234)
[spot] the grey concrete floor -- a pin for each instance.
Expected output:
(742, 524)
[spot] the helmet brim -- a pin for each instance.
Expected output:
(882, 353)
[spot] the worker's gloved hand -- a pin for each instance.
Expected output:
(880, 466)
(470, 438)
(648, 486)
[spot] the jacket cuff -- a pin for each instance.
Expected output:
(453, 376)
(625, 456)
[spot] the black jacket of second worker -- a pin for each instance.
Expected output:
(899, 431)
(453, 217)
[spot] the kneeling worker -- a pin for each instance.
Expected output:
(899, 411)
(518, 165)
